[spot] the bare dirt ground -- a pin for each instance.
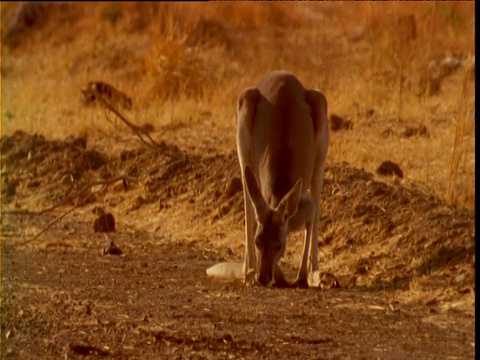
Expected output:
(404, 259)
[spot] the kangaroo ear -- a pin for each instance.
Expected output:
(319, 107)
(289, 204)
(247, 106)
(259, 203)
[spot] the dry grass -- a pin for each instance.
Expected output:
(352, 52)
(463, 147)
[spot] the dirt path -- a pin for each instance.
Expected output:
(405, 262)
(67, 300)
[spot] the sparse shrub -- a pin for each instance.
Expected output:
(177, 68)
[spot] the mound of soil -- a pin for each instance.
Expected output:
(405, 261)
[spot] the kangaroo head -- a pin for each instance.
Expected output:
(272, 226)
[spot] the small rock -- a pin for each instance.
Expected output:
(369, 113)
(104, 223)
(413, 131)
(328, 281)
(10, 189)
(338, 123)
(91, 159)
(33, 184)
(460, 278)
(465, 291)
(164, 205)
(112, 249)
(388, 168)
(80, 142)
(86, 349)
(448, 64)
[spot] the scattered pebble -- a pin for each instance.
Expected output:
(84, 349)
(112, 249)
(80, 141)
(338, 123)
(328, 281)
(420, 130)
(369, 113)
(388, 168)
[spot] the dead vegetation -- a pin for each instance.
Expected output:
(367, 221)
(408, 246)
(179, 61)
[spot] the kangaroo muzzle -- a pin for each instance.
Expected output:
(265, 275)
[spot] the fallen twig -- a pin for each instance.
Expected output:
(104, 185)
(51, 224)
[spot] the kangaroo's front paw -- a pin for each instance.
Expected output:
(314, 280)
(249, 279)
(301, 283)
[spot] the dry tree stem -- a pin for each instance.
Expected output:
(50, 225)
(136, 129)
(105, 183)
(459, 150)
(426, 93)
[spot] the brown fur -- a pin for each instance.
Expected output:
(282, 139)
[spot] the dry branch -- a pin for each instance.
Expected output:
(105, 184)
(50, 224)
(136, 129)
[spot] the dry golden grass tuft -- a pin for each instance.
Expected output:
(457, 193)
(176, 69)
(185, 64)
